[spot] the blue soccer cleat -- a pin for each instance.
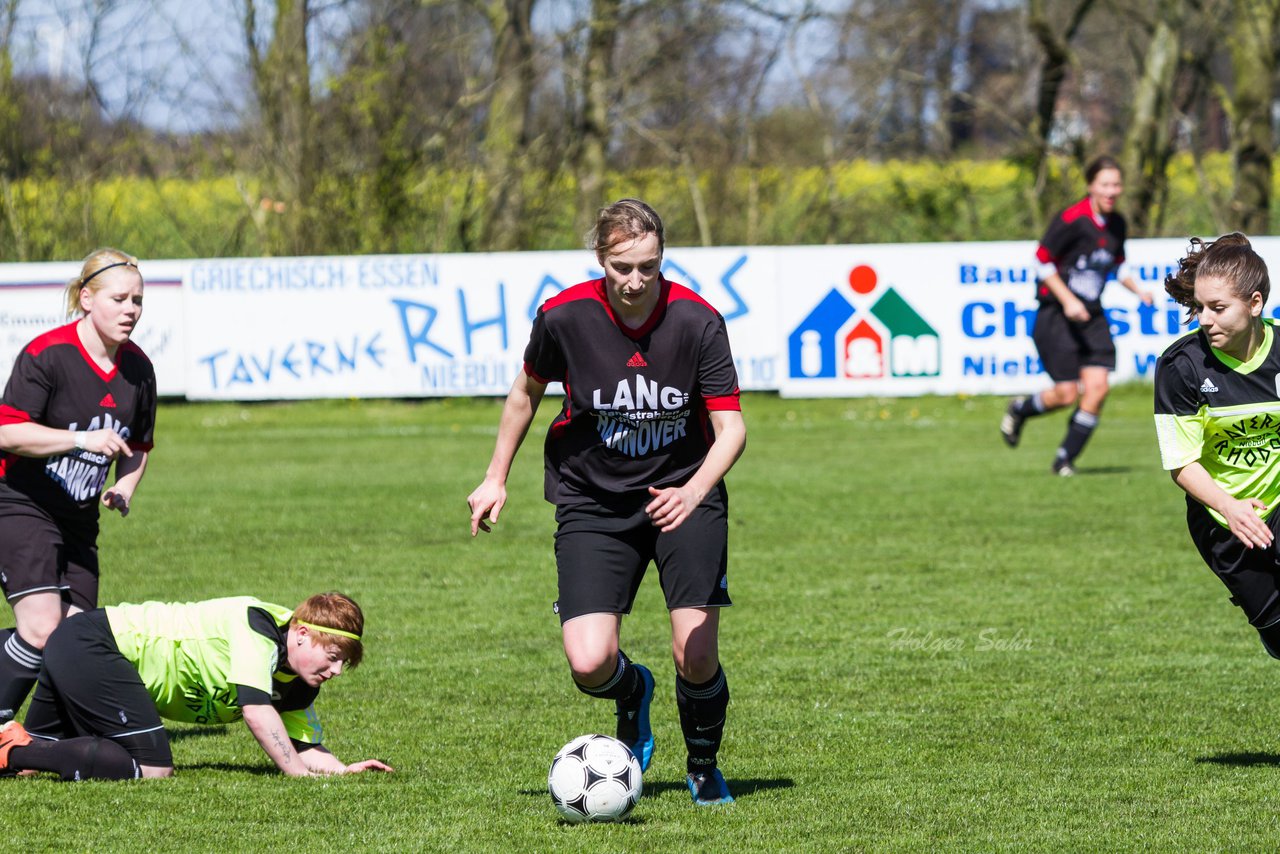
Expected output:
(709, 789)
(633, 722)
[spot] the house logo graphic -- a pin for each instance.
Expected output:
(871, 333)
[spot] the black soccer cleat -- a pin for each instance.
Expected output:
(1011, 423)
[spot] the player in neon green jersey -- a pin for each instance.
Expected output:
(1217, 409)
(111, 674)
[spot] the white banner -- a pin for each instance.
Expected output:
(810, 321)
(422, 325)
(947, 318)
(32, 301)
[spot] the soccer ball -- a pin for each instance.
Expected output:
(594, 778)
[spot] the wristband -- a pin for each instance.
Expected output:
(81, 435)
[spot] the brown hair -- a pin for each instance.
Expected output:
(1229, 258)
(97, 261)
(1098, 164)
(335, 611)
(625, 219)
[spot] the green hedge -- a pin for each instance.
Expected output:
(437, 211)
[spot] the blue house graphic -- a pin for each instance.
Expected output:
(811, 346)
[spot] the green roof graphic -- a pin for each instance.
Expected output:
(900, 318)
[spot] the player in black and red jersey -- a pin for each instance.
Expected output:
(1080, 250)
(79, 397)
(635, 463)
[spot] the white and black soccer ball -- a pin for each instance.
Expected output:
(594, 778)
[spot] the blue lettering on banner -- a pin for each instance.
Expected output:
(980, 319)
(1145, 363)
(467, 375)
(227, 369)
(416, 319)
(382, 273)
(684, 277)
(292, 275)
(972, 274)
(1001, 366)
(499, 320)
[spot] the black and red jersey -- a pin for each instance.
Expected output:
(1085, 251)
(56, 383)
(636, 402)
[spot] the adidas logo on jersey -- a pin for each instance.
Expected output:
(111, 401)
(1208, 386)
(637, 361)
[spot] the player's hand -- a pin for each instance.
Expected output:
(109, 443)
(369, 765)
(486, 502)
(1147, 297)
(116, 499)
(671, 506)
(1245, 524)
(1075, 310)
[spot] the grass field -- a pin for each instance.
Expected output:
(935, 643)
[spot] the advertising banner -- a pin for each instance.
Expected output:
(423, 325)
(32, 301)
(809, 321)
(951, 318)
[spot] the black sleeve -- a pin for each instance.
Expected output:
(1177, 387)
(248, 696)
(1057, 239)
(543, 358)
(29, 388)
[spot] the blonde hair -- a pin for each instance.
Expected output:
(94, 263)
(334, 611)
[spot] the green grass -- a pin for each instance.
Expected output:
(877, 548)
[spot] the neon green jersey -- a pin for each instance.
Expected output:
(191, 656)
(1224, 414)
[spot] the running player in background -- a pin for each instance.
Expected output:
(1081, 248)
(111, 674)
(1217, 409)
(78, 398)
(635, 462)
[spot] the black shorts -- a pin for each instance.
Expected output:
(37, 555)
(601, 557)
(1066, 346)
(1251, 575)
(87, 687)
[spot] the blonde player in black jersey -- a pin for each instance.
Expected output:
(1217, 410)
(635, 463)
(80, 398)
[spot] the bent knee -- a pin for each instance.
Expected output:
(591, 667)
(36, 631)
(156, 771)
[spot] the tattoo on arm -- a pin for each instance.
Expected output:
(285, 747)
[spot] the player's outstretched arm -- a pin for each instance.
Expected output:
(487, 499)
(268, 728)
(671, 506)
(320, 761)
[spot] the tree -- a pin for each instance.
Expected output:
(1253, 67)
(1148, 144)
(282, 85)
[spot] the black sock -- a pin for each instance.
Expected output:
(19, 667)
(702, 714)
(1079, 429)
(625, 685)
(1031, 407)
(85, 758)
